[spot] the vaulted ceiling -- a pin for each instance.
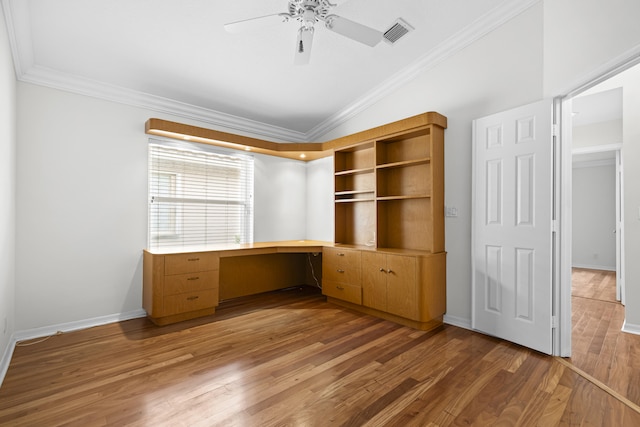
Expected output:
(176, 57)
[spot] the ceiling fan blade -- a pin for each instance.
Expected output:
(258, 23)
(303, 46)
(353, 30)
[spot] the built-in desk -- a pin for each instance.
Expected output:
(190, 282)
(405, 286)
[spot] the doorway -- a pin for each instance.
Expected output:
(598, 346)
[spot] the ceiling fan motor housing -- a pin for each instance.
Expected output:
(308, 12)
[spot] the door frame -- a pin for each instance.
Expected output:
(615, 148)
(563, 190)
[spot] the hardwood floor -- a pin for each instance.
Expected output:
(291, 359)
(599, 347)
(593, 284)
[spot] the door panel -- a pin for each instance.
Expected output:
(512, 225)
(374, 280)
(402, 289)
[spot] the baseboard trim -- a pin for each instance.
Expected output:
(594, 267)
(6, 358)
(630, 328)
(46, 331)
(460, 322)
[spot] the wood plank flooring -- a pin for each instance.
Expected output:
(291, 359)
(594, 284)
(599, 347)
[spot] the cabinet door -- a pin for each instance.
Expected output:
(374, 280)
(402, 286)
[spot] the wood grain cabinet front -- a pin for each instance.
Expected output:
(408, 289)
(178, 287)
(341, 274)
(390, 284)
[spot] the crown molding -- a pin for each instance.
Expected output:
(27, 71)
(21, 47)
(479, 28)
(83, 86)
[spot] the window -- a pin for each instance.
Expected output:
(198, 196)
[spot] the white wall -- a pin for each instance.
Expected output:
(594, 217)
(82, 210)
(631, 165)
(280, 199)
(583, 37)
(7, 194)
(320, 212)
(500, 71)
(593, 135)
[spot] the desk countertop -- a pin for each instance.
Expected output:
(284, 246)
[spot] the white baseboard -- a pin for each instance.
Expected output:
(6, 359)
(594, 267)
(460, 322)
(45, 331)
(61, 327)
(630, 328)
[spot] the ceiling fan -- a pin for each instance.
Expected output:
(308, 13)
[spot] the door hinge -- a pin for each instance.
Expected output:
(554, 129)
(554, 322)
(554, 225)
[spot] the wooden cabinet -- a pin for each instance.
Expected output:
(389, 205)
(389, 283)
(181, 286)
(341, 274)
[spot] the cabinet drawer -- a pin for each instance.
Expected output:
(192, 262)
(190, 301)
(342, 291)
(181, 283)
(342, 273)
(340, 256)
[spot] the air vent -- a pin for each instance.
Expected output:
(399, 29)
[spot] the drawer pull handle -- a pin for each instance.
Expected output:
(340, 254)
(383, 270)
(340, 270)
(193, 259)
(340, 288)
(193, 278)
(390, 271)
(192, 298)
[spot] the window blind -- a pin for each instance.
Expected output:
(198, 196)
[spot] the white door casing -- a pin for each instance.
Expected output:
(512, 225)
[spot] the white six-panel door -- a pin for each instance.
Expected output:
(512, 225)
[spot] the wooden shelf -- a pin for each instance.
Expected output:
(404, 163)
(354, 200)
(388, 198)
(354, 171)
(396, 183)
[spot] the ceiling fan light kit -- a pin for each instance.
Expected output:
(308, 13)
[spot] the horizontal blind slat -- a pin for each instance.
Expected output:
(199, 198)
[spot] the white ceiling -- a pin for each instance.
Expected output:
(175, 56)
(596, 107)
